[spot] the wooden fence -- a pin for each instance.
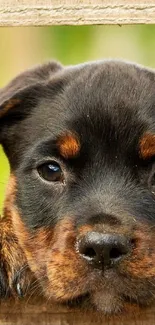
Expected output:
(76, 12)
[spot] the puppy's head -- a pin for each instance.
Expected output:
(81, 146)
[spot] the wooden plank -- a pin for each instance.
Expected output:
(41, 312)
(76, 12)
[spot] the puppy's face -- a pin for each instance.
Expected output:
(81, 145)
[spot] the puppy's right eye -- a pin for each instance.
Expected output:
(51, 172)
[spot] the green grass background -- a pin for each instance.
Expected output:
(20, 48)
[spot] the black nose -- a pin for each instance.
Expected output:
(103, 250)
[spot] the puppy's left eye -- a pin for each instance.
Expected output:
(51, 172)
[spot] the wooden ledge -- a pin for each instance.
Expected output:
(76, 12)
(41, 312)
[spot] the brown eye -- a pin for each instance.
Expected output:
(51, 172)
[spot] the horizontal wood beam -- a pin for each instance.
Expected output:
(38, 311)
(76, 12)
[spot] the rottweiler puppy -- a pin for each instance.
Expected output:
(79, 212)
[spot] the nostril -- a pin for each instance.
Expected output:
(89, 252)
(115, 253)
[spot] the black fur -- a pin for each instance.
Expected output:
(109, 105)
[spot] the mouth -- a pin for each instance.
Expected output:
(116, 295)
(103, 302)
(80, 301)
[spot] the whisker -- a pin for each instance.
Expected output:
(151, 227)
(153, 284)
(35, 287)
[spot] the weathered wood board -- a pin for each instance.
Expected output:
(76, 12)
(41, 312)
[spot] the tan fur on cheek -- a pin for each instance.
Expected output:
(34, 243)
(51, 255)
(142, 261)
(12, 256)
(66, 271)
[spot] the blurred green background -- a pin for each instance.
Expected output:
(20, 48)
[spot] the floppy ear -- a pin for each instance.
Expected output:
(28, 78)
(22, 93)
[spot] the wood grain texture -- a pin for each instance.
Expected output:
(41, 312)
(76, 12)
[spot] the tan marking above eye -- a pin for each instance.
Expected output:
(147, 146)
(68, 145)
